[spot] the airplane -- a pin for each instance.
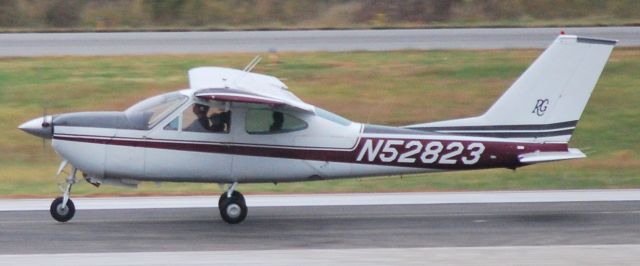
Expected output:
(233, 126)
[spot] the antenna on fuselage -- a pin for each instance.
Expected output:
(252, 64)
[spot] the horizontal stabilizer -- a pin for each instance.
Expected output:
(538, 157)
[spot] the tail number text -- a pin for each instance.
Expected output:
(401, 151)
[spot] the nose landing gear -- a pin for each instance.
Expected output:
(233, 208)
(62, 208)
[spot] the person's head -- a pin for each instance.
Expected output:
(278, 118)
(200, 110)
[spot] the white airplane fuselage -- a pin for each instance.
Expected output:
(324, 149)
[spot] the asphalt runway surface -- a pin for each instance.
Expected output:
(575, 227)
(324, 227)
(139, 43)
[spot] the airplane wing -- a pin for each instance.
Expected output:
(234, 95)
(226, 84)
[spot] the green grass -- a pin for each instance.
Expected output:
(380, 87)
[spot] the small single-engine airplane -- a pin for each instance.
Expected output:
(233, 126)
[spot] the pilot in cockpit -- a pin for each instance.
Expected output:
(201, 124)
(207, 120)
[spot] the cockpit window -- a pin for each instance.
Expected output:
(173, 125)
(156, 108)
(211, 117)
(269, 121)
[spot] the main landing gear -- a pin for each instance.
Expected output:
(62, 208)
(233, 208)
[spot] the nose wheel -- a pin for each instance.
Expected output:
(62, 212)
(233, 208)
(62, 208)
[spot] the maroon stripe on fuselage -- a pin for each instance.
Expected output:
(495, 154)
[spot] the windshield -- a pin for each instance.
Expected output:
(154, 109)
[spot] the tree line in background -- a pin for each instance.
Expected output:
(136, 14)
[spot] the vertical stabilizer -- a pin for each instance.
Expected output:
(545, 103)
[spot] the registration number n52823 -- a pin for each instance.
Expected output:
(420, 151)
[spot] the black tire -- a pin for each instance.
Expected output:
(235, 194)
(62, 214)
(233, 210)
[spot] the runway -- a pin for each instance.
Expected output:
(141, 43)
(342, 227)
(578, 223)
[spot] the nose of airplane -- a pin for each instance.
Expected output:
(40, 127)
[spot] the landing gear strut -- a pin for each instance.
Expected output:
(62, 208)
(233, 208)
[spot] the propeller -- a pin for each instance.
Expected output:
(41, 127)
(45, 124)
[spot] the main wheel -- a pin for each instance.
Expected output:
(234, 194)
(62, 213)
(233, 209)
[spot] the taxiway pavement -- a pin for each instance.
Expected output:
(140, 43)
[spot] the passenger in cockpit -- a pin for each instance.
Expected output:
(278, 120)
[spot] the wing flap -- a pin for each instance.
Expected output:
(538, 157)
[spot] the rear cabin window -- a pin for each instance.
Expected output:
(269, 121)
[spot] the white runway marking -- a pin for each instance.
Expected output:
(467, 256)
(360, 199)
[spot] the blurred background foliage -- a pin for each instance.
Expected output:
(17, 15)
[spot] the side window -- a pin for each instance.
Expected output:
(268, 121)
(173, 125)
(206, 118)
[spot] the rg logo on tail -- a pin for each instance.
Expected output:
(541, 107)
